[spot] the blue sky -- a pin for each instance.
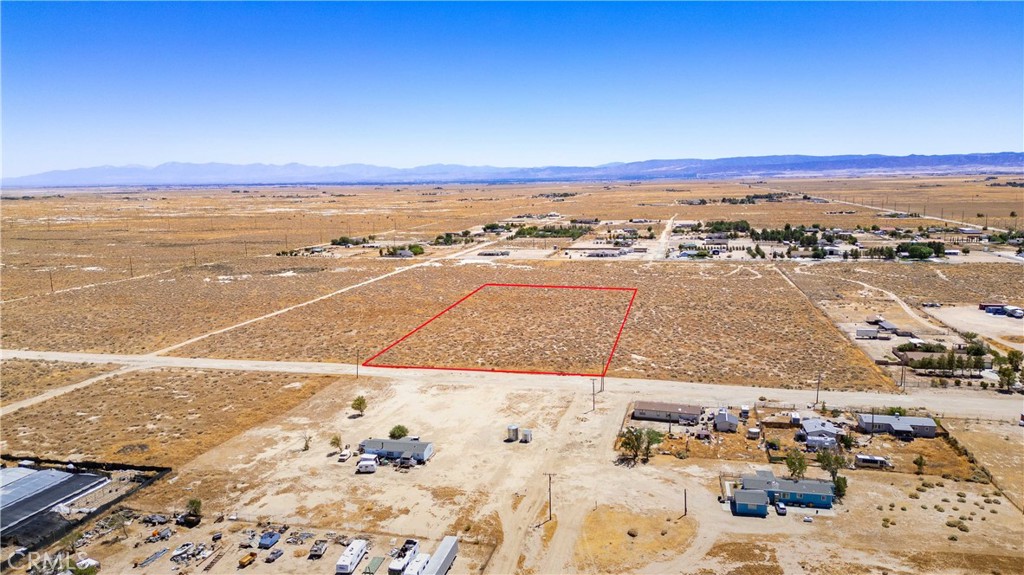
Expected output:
(526, 84)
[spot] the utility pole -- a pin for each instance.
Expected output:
(195, 258)
(131, 270)
(818, 389)
(686, 507)
(51, 279)
(593, 393)
(357, 362)
(550, 508)
(602, 383)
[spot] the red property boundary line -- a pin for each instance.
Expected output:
(607, 365)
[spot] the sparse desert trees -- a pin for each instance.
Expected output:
(194, 506)
(796, 463)
(638, 443)
(920, 462)
(359, 404)
(631, 440)
(832, 461)
(336, 441)
(398, 432)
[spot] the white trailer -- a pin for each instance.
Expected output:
(350, 559)
(418, 564)
(442, 559)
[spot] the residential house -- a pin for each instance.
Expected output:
(670, 412)
(749, 503)
(903, 427)
(419, 451)
(800, 492)
(725, 421)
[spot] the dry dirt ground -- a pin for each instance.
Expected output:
(915, 283)
(84, 237)
(1005, 331)
(495, 494)
(998, 447)
(21, 378)
(235, 438)
(156, 417)
(537, 316)
(957, 198)
(152, 313)
(728, 324)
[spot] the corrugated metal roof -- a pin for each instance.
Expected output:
(766, 480)
(894, 419)
(12, 474)
(671, 407)
(396, 445)
(30, 484)
(750, 496)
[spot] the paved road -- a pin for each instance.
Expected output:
(946, 402)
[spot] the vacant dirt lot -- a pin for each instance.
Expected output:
(559, 330)
(149, 314)
(701, 322)
(998, 447)
(916, 283)
(971, 199)
(604, 546)
(156, 417)
(24, 378)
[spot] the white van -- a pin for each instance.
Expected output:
(366, 467)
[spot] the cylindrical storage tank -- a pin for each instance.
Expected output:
(513, 433)
(527, 436)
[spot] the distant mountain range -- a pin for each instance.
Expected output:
(174, 173)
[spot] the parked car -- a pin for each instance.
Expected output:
(274, 555)
(345, 455)
(780, 508)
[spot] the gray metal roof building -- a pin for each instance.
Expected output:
(897, 425)
(395, 448)
(25, 496)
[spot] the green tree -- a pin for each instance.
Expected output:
(978, 363)
(832, 461)
(969, 336)
(846, 441)
(631, 441)
(1007, 377)
(1014, 358)
(920, 462)
(336, 441)
(840, 487)
(194, 506)
(796, 463)
(359, 404)
(651, 438)
(398, 432)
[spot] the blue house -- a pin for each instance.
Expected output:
(749, 503)
(800, 492)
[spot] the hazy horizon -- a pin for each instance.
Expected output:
(506, 85)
